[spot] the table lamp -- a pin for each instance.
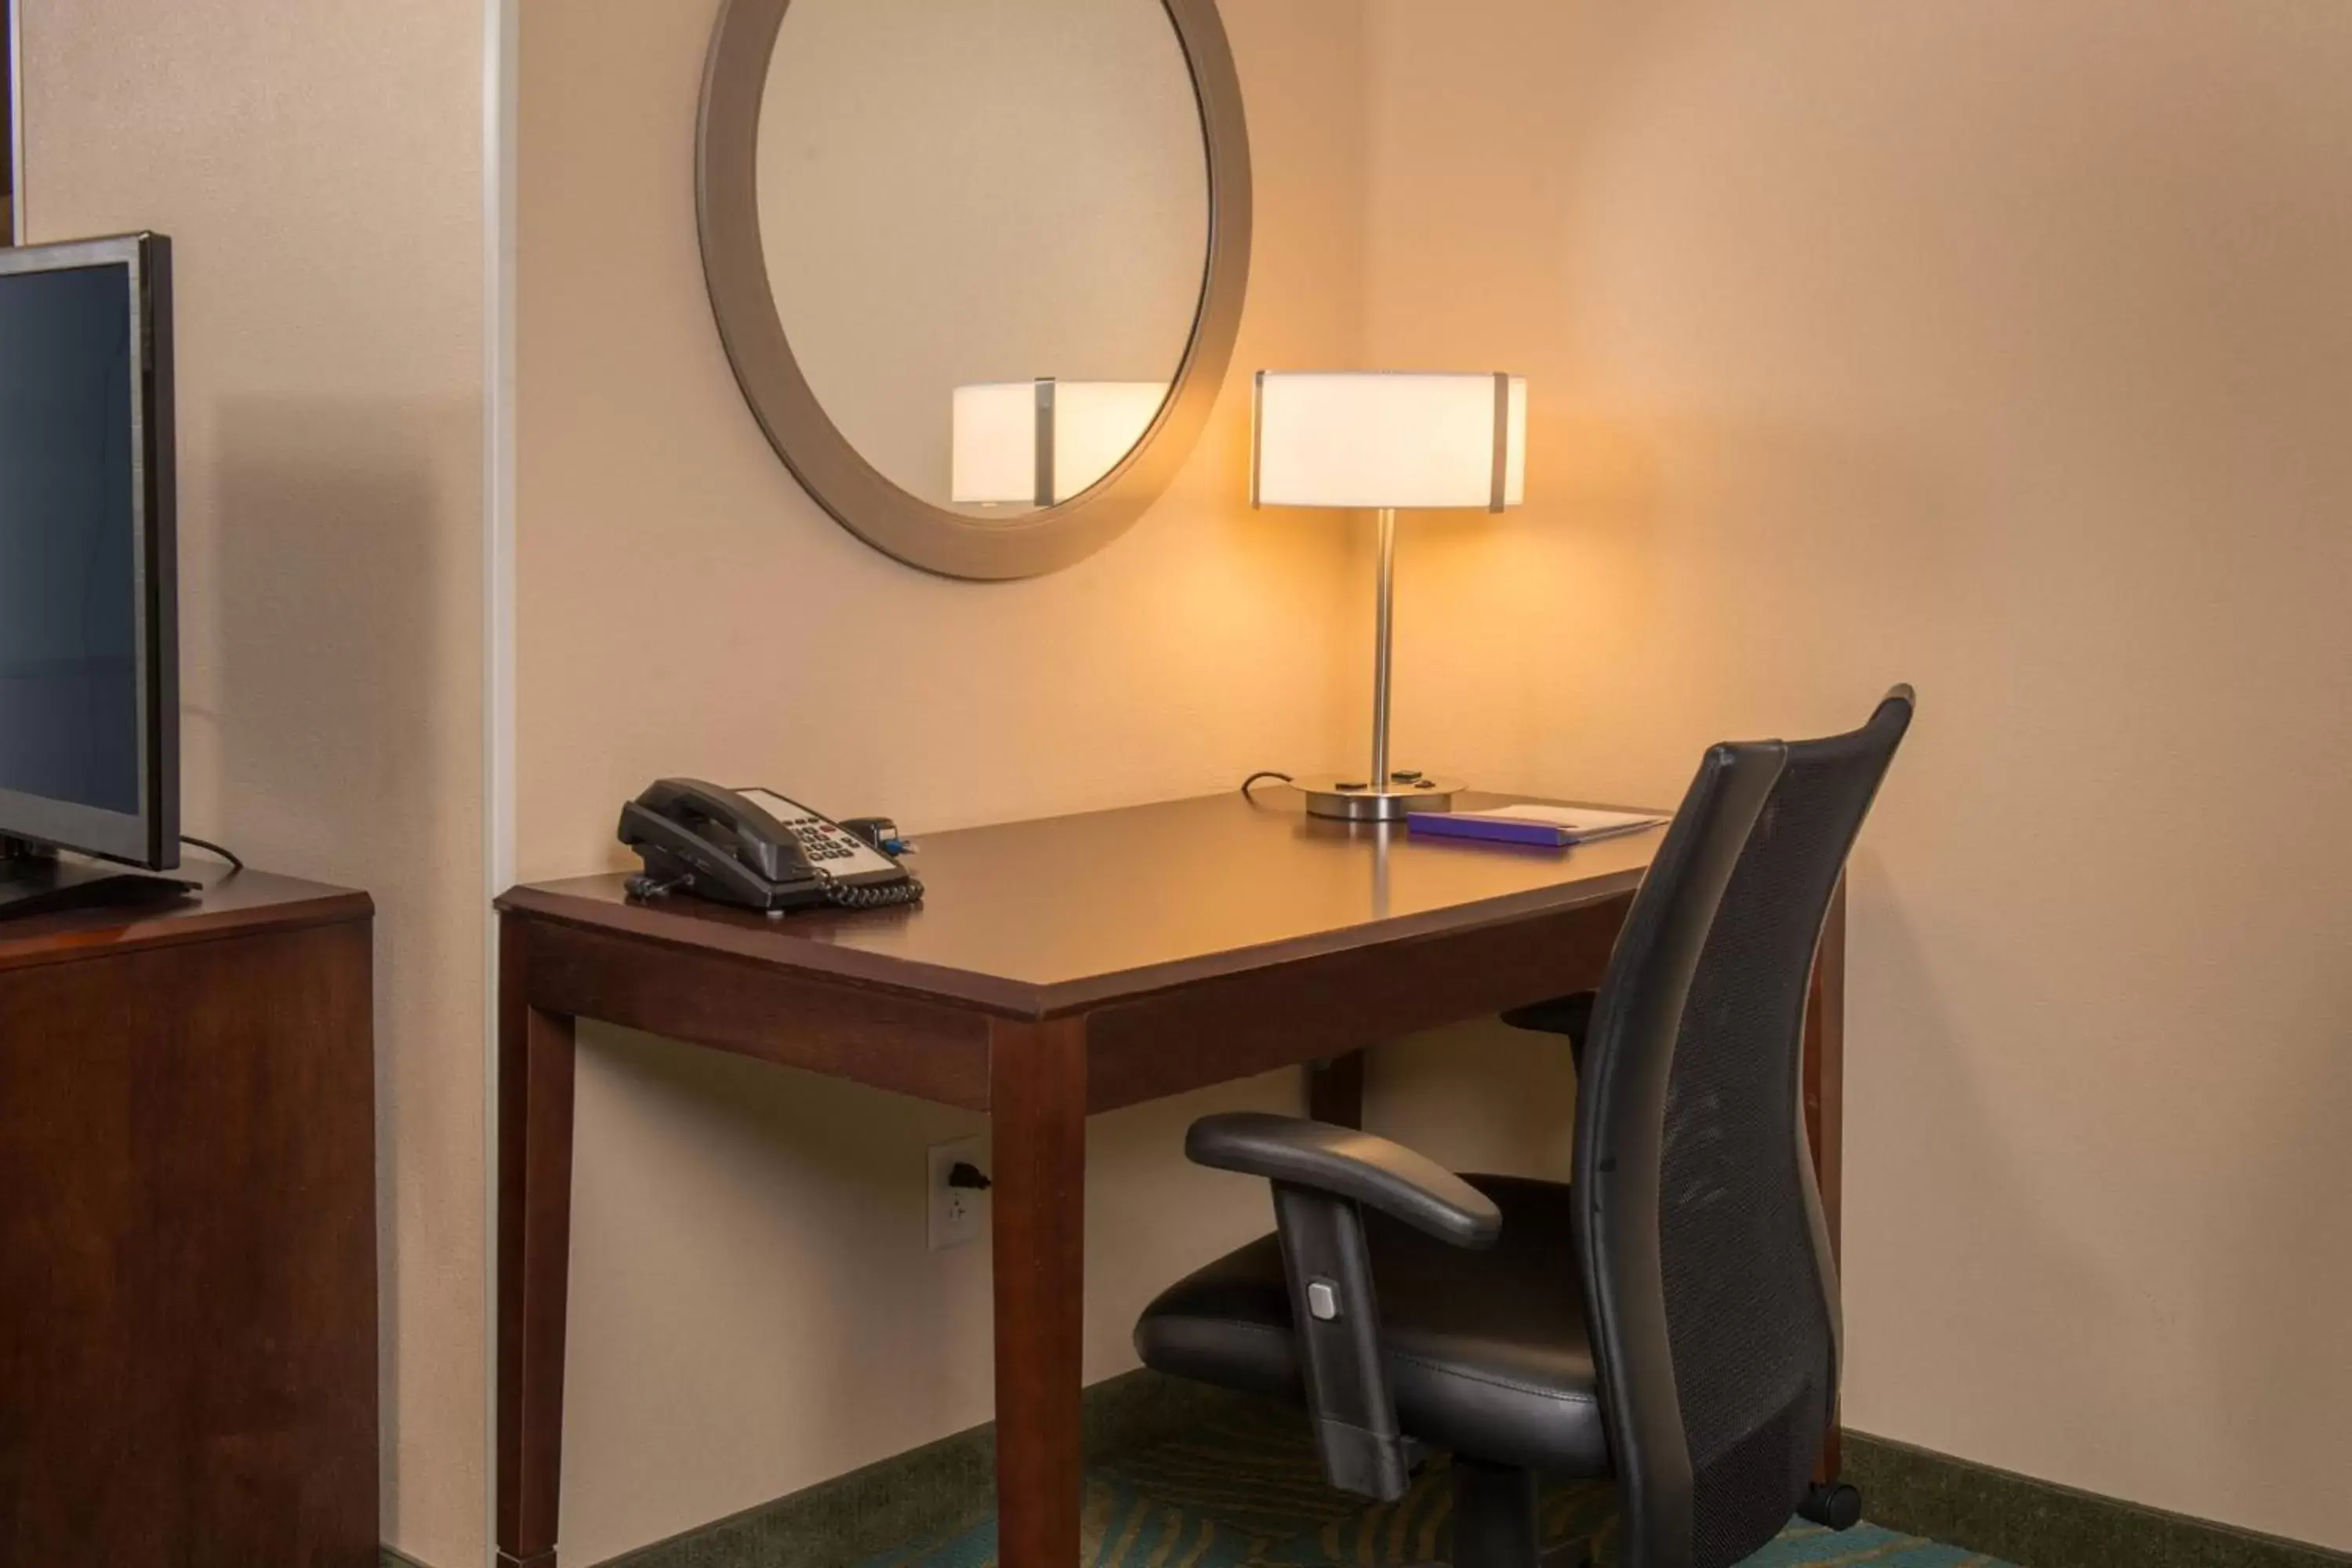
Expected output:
(1038, 443)
(1388, 441)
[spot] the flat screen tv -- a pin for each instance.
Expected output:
(88, 642)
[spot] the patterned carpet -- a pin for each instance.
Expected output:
(1246, 1492)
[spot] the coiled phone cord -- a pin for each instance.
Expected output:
(843, 896)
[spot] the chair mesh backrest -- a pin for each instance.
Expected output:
(1709, 1284)
(1750, 1291)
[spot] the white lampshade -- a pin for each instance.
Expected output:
(1094, 423)
(1389, 439)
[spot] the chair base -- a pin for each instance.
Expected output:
(1832, 1503)
(1567, 1554)
(1495, 1523)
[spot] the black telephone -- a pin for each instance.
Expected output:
(756, 849)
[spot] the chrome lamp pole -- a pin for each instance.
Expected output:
(1387, 793)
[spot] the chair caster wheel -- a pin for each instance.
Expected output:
(1837, 1505)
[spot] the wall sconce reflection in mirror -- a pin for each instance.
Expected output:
(1038, 443)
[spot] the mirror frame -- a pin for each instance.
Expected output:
(893, 520)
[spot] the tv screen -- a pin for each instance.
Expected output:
(87, 670)
(68, 585)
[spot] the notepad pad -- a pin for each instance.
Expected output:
(1552, 825)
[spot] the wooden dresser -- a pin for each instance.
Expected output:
(187, 1232)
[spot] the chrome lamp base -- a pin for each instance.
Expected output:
(1356, 798)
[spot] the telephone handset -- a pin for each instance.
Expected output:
(756, 849)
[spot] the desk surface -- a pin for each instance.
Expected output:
(1040, 918)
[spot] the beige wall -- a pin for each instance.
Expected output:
(319, 167)
(2001, 347)
(687, 608)
(753, 1310)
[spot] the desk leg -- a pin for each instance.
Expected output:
(1037, 1104)
(1825, 1102)
(1334, 1091)
(535, 1069)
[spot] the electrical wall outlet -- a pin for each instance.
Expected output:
(955, 1212)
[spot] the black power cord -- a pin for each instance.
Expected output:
(1261, 773)
(235, 864)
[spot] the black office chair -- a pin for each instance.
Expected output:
(1671, 1318)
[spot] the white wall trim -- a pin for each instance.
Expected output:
(498, 440)
(16, 115)
(501, 93)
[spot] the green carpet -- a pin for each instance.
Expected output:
(1245, 1491)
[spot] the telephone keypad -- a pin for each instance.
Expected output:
(821, 842)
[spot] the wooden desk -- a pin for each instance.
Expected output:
(1057, 968)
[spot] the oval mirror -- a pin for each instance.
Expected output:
(978, 265)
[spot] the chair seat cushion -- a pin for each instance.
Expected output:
(1488, 1352)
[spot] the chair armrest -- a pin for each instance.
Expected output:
(1324, 1177)
(1347, 1164)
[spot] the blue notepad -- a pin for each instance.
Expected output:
(1552, 827)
